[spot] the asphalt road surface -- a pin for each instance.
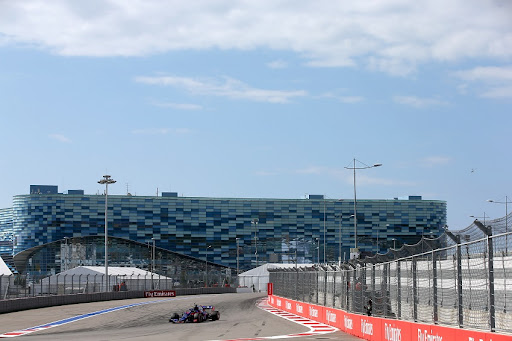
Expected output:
(240, 318)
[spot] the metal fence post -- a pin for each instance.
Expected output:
(434, 282)
(353, 290)
(383, 289)
(398, 291)
(492, 308)
(295, 297)
(414, 289)
(325, 288)
(490, 267)
(334, 289)
(373, 283)
(504, 280)
(456, 239)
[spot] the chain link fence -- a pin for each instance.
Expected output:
(453, 280)
(19, 286)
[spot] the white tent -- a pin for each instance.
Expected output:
(92, 279)
(4, 269)
(259, 276)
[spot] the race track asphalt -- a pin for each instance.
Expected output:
(240, 318)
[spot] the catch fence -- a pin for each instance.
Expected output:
(467, 284)
(17, 286)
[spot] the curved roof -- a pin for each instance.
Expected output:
(21, 258)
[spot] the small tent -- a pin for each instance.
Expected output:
(259, 277)
(92, 279)
(4, 269)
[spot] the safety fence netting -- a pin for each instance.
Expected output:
(459, 279)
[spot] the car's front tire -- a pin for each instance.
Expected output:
(215, 315)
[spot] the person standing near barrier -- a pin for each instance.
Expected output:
(369, 307)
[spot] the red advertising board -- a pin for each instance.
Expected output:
(376, 328)
(334, 317)
(160, 293)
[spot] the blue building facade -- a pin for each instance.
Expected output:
(252, 231)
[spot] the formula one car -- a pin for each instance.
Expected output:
(198, 313)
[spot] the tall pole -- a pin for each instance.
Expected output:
(339, 242)
(506, 219)
(206, 265)
(318, 250)
(152, 263)
(355, 207)
(237, 264)
(365, 166)
(324, 232)
(106, 181)
(255, 223)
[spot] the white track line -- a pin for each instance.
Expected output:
(315, 328)
(84, 316)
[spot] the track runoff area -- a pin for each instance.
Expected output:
(314, 328)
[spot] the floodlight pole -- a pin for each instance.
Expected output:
(255, 222)
(506, 202)
(206, 263)
(152, 264)
(355, 195)
(237, 263)
(106, 181)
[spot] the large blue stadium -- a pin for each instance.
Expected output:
(313, 229)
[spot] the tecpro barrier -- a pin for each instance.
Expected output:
(376, 328)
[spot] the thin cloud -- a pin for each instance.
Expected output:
(490, 81)
(60, 138)
(418, 102)
(161, 131)
(277, 64)
(351, 99)
(343, 98)
(177, 106)
(363, 180)
(433, 161)
(389, 35)
(227, 87)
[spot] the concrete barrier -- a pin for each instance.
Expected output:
(18, 304)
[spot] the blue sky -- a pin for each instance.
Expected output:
(260, 99)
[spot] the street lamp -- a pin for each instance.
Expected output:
(365, 166)
(107, 180)
(255, 222)
(318, 250)
(152, 263)
(237, 264)
(472, 216)
(506, 202)
(206, 263)
(394, 243)
(324, 232)
(66, 254)
(339, 242)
